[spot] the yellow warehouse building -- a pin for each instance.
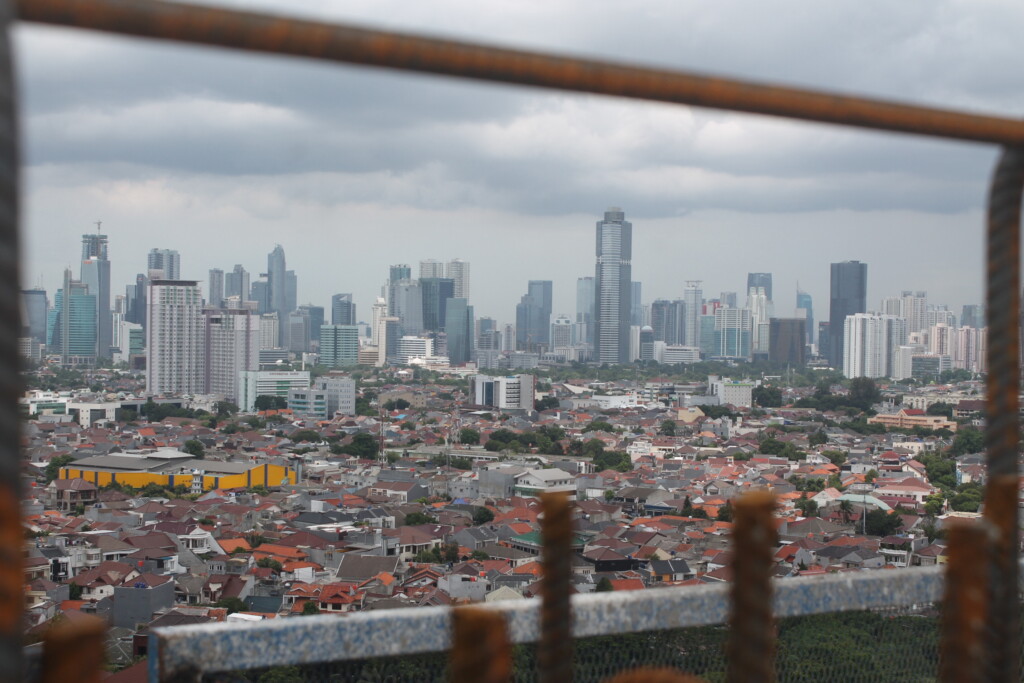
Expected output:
(169, 467)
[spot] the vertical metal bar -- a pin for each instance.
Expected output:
(554, 651)
(1002, 421)
(11, 539)
(481, 652)
(965, 604)
(74, 653)
(750, 652)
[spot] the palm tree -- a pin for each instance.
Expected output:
(845, 507)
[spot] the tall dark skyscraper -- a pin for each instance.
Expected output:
(277, 284)
(848, 294)
(436, 291)
(756, 280)
(533, 316)
(34, 306)
(96, 276)
(613, 287)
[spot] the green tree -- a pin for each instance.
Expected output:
(864, 392)
(225, 408)
(546, 403)
(725, 512)
(767, 397)
(943, 409)
(818, 438)
(604, 586)
(308, 435)
(871, 475)
(668, 428)
(837, 458)
(469, 436)
(968, 440)
(363, 445)
(268, 402)
(417, 518)
(310, 608)
(807, 507)
(269, 563)
(54, 465)
(194, 447)
(482, 515)
(232, 604)
(882, 523)
(599, 426)
(479, 555)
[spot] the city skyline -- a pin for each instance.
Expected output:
(159, 142)
(565, 299)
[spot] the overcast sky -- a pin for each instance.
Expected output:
(221, 155)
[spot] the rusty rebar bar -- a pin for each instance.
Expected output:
(750, 652)
(481, 652)
(965, 603)
(355, 45)
(12, 578)
(1002, 420)
(554, 650)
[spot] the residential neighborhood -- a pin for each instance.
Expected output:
(190, 515)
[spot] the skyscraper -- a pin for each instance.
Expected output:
(215, 288)
(847, 296)
(277, 284)
(788, 341)
(343, 310)
(805, 310)
(561, 332)
(760, 280)
(668, 321)
(871, 343)
(236, 283)
(693, 299)
(533, 316)
(613, 287)
(636, 304)
(339, 345)
(167, 261)
(74, 329)
(972, 315)
(96, 276)
(231, 345)
(585, 296)
(175, 338)
(33, 310)
(732, 333)
(459, 328)
(458, 270)
(431, 268)
(436, 291)
(405, 302)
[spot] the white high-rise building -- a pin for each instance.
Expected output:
(914, 310)
(760, 313)
(870, 343)
(232, 346)
(941, 340)
(969, 349)
(514, 392)
(379, 312)
(458, 270)
(174, 338)
(693, 307)
(903, 360)
(561, 331)
(270, 333)
(414, 347)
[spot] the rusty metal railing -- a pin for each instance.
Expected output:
(348, 44)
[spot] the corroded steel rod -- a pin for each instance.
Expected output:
(481, 652)
(1002, 420)
(356, 45)
(554, 650)
(965, 604)
(750, 652)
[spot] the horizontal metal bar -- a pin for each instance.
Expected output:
(310, 640)
(345, 43)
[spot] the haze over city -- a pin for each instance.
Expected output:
(352, 169)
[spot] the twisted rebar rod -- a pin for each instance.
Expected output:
(554, 650)
(750, 652)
